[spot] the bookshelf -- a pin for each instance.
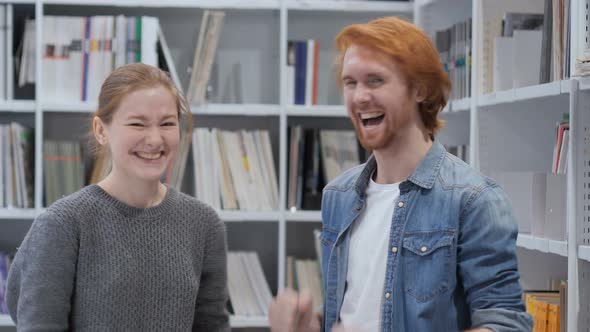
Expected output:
(543, 245)
(259, 50)
(584, 253)
(513, 130)
(317, 111)
(17, 214)
(485, 121)
(17, 106)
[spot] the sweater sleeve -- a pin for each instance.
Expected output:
(41, 278)
(211, 313)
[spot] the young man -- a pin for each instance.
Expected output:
(414, 239)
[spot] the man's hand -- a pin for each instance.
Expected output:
(293, 312)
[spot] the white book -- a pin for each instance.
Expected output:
(2, 175)
(264, 170)
(249, 286)
(527, 57)
(49, 58)
(120, 42)
(256, 303)
(228, 191)
(503, 63)
(309, 68)
(199, 175)
(262, 201)
(149, 40)
(263, 290)
(94, 59)
(20, 133)
(27, 61)
(131, 46)
(562, 164)
(61, 60)
(168, 58)
(290, 74)
(8, 53)
(234, 286)
(17, 165)
(270, 167)
(216, 177)
(3, 53)
(236, 165)
(108, 35)
(72, 86)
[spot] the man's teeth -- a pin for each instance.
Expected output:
(150, 155)
(365, 116)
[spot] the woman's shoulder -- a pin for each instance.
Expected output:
(75, 203)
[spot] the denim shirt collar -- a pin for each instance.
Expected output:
(423, 176)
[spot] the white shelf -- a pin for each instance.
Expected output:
(457, 106)
(461, 104)
(584, 253)
(248, 321)
(221, 4)
(530, 242)
(18, 2)
(208, 109)
(526, 93)
(233, 216)
(24, 106)
(5, 320)
(71, 107)
(356, 6)
(304, 216)
(318, 111)
(584, 83)
(424, 3)
(20, 214)
(235, 321)
(237, 109)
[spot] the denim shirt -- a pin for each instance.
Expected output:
(452, 259)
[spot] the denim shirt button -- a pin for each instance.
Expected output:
(423, 249)
(400, 204)
(394, 250)
(387, 295)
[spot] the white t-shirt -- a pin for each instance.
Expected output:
(367, 259)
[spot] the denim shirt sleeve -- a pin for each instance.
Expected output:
(487, 263)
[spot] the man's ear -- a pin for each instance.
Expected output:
(419, 94)
(98, 130)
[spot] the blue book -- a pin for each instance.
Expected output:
(300, 71)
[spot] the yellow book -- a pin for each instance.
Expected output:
(553, 317)
(540, 316)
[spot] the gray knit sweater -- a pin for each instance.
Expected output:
(93, 263)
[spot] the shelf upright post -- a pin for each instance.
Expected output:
(38, 105)
(573, 305)
(282, 145)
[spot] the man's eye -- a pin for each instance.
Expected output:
(169, 124)
(135, 124)
(375, 80)
(349, 83)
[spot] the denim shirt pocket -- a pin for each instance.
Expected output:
(427, 263)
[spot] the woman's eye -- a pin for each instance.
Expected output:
(135, 124)
(169, 124)
(349, 83)
(375, 80)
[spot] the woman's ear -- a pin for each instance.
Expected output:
(99, 131)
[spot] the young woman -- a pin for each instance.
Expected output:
(129, 253)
